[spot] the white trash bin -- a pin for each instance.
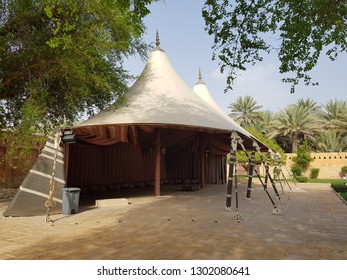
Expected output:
(70, 199)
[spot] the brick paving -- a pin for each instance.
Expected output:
(187, 226)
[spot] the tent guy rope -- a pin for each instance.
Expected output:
(50, 203)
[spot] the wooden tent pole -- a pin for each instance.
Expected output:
(202, 170)
(157, 164)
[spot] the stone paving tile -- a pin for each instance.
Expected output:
(188, 225)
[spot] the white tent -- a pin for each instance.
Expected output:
(161, 97)
(163, 133)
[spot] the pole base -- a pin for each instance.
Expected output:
(276, 211)
(237, 217)
(48, 220)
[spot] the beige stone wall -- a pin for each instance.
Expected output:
(329, 164)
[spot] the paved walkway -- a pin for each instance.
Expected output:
(188, 225)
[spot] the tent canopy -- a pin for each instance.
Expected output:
(159, 98)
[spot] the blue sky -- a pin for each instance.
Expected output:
(188, 46)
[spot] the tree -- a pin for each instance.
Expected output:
(295, 122)
(340, 125)
(334, 111)
(245, 111)
(298, 31)
(61, 59)
(310, 104)
(264, 124)
(330, 141)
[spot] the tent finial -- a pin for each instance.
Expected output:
(200, 81)
(157, 40)
(200, 77)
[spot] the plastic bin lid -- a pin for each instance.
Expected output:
(71, 189)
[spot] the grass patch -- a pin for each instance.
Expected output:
(344, 196)
(328, 181)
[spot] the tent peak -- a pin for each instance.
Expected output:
(157, 42)
(200, 81)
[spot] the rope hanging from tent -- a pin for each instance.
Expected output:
(50, 203)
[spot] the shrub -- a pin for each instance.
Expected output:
(296, 170)
(314, 173)
(302, 179)
(340, 188)
(344, 195)
(344, 169)
(303, 156)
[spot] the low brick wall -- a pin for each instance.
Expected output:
(329, 164)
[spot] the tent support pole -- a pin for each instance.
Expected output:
(275, 211)
(232, 165)
(157, 164)
(250, 173)
(202, 170)
(66, 160)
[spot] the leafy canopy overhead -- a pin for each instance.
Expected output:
(299, 31)
(60, 59)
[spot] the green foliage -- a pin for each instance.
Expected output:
(301, 179)
(314, 173)
(298, 31)
(242, 158)
(340, 188)
(277, 172)
(328, 181)
(296, 170)
(329, 141)
(344, 169)
(245, 111)
(303, 156)
(344, 195)
(295, 122)
(63, 59)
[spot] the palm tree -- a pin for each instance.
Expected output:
(295, 122)
(310, 104)
(340, 125)
(334, 110)
(245, 111)
(263, 125)
(329, 141)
